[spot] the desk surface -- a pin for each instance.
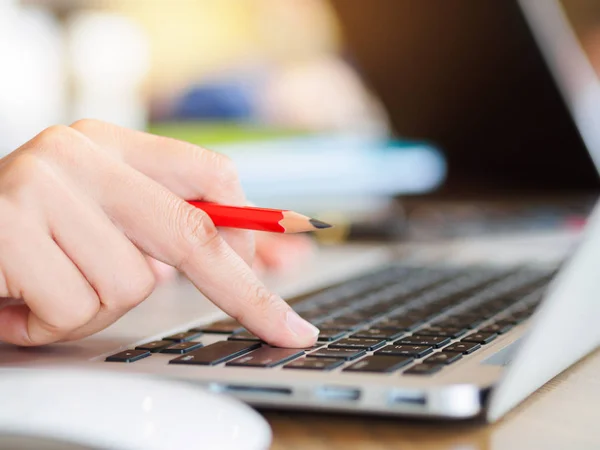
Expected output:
(560, 415)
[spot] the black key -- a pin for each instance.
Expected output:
(129, 356)
(341, 324)
(510, 320)
(182, 347)
(480, 338)
(443, 358)
(498, 327)
(222, 327)
(314, 347)
(434, 341)
(498, 305)
(379, 333)
(516, 318)
(315, 364)
(424, 369)
(365, 344)
(462, 321)
(470, 321)
(400, 323)
(330, 335)
(415, 351)
(155, 346)
(244, 336)
(314, 314)
(427, 312)
(183, 337)
(347, 354)
(483, 311)
(216, 353)
(440, 331)
(380, 364)
(354, 316)
(266, 357)
(307, 349)
(449, 322)
(463, 347)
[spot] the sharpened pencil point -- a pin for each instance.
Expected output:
(318, 224)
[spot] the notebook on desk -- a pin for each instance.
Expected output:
(423, 336)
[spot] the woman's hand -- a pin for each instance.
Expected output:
(82, 208)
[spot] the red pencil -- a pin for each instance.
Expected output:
(260, 219)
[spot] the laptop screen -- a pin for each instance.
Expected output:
(471, 77)
(567, 43)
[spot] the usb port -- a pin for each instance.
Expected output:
(253, 390)
(338, 393)
(414, 398)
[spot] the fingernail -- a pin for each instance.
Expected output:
(299, 326)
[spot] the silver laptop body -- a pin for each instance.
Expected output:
(486, 383)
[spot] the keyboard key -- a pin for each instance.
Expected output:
(498, 327)
(379, 333)
(380, 364)
(440, 331)
(216, 353)
(515, 318)
(244, 336)
(415, 351)
(155, 346)
(314, 314)
(400, 323)
(341, 324)
(129, 356)
(347, 354)
(352, 316)
(315, 364)
(183, 337)
(424, 369)
(443, 358)
(266, 357)
(330, 335)
(450, 322)
(356, 343)
(222, 327)
(182, 347)
(483, 312)
(434, 341)
(469, 320)
(465, 348)
(480, 338)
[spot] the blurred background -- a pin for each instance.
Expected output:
(403, 118)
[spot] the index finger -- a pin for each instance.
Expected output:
(169, 229)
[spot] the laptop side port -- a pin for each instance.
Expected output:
(252, 390)
(406, 398)
(337, 393)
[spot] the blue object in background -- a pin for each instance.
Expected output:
(223, 100)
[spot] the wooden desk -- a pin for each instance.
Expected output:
(563, 415)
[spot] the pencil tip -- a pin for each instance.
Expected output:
(318, 224)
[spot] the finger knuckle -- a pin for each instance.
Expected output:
(55, 138)
(226, 172)
(223, 170)
(134, 290)
(87, 125)
(76, 317)
(260, 299)
(26, 173)
(196, 230)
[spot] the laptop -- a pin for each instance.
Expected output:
(402, 333)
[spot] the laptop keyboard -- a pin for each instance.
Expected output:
(398, 319)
